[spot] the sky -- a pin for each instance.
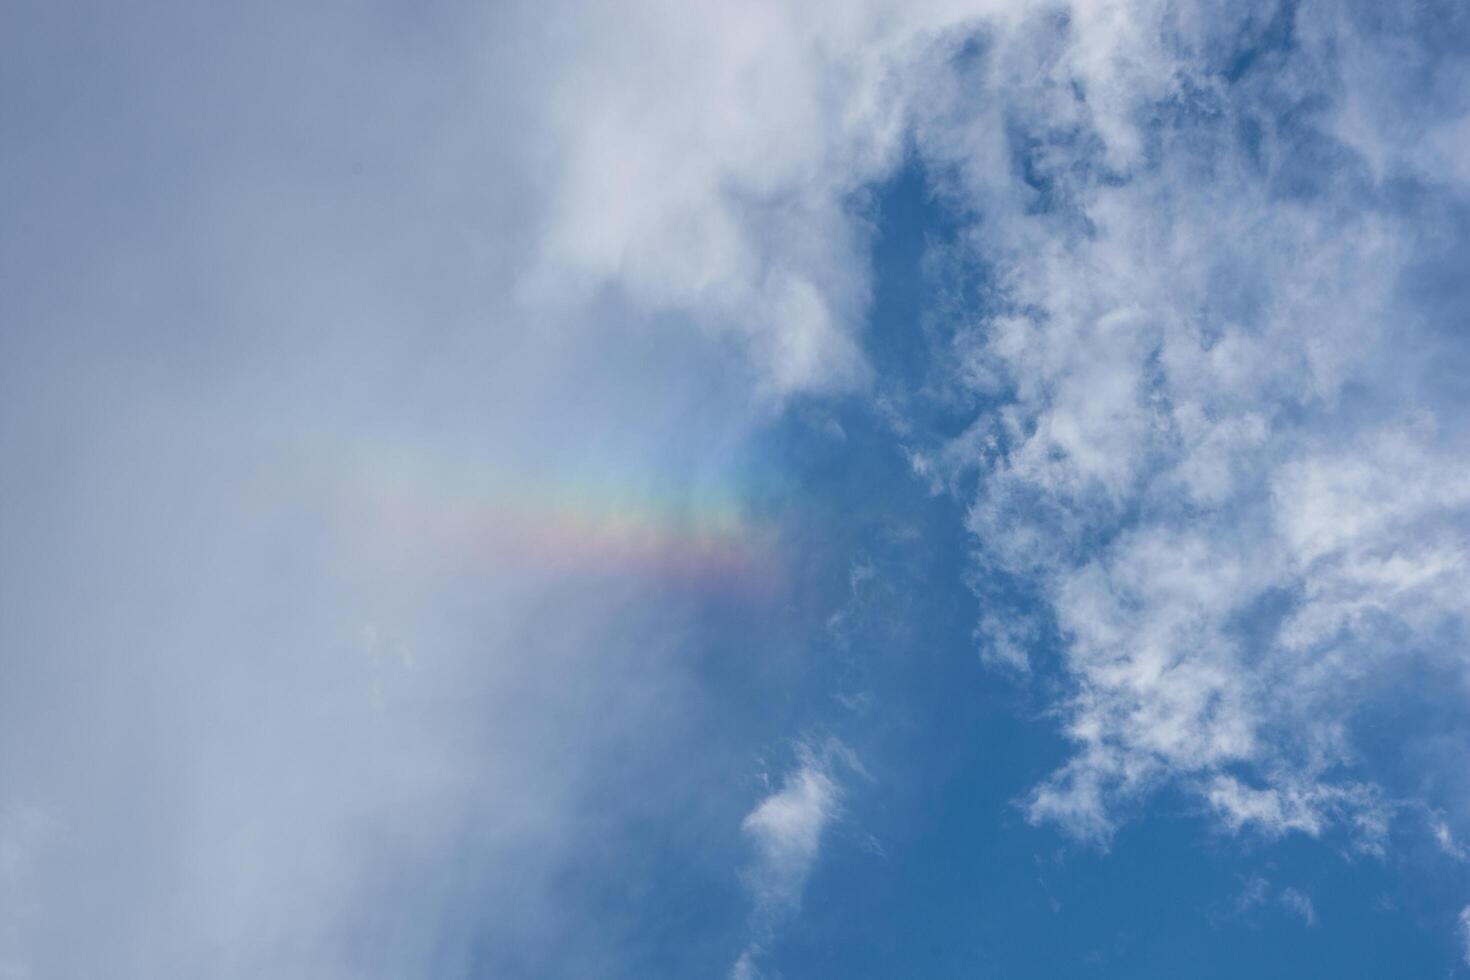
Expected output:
(931, 489)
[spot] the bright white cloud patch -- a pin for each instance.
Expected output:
(1209, 450)
(705, 161)
(786, 830)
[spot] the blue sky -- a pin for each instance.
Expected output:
(944, 489)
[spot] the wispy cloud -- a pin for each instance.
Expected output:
(1204, 444)
(1258, 894)
(786, 830)
(1300, 903)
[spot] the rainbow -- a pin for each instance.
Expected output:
(569, 521)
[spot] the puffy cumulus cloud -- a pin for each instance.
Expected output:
(1210, 442)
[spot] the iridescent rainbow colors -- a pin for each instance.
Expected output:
(570, 521)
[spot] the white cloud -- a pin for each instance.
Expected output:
(1465, 932)
(1208, 411)
(745, 968)
(320, 301)
(273, 265)
(707, 162)
(1445, 838)
(1257, 893)
(786, 830)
